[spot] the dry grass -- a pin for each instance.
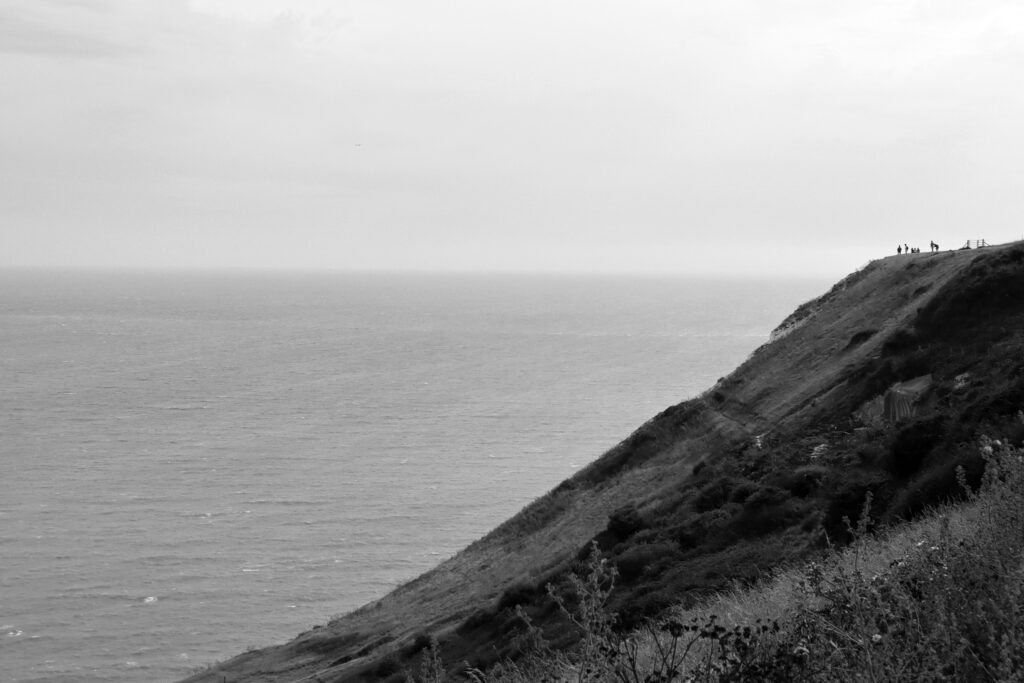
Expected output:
(772, 598)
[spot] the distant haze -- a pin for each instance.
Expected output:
(731, 136)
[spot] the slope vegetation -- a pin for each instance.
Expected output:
(880, 385)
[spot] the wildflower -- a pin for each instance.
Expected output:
(876, 639)
(673, 628)
(801, 651)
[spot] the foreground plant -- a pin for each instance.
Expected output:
(951, 609)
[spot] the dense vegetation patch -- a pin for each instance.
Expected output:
(947, 609)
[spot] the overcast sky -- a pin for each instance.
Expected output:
(738, 136)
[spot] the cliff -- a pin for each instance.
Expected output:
(881, 384)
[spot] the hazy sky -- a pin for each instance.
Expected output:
(664, 135)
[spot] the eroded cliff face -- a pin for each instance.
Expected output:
(759, 470)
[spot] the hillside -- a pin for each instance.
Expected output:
(881, 385)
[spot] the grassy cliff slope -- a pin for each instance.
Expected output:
(881, 385)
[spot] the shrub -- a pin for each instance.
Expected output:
(386, 667)
(631, 564)
(643, 607)
(714, 495)
(698, 530)
(625, 522)
(419, 643)
(767, 510)
(987, 290)
(844, 505)
(937, 485)
(912, 445)
(516, 595)
(803, 481)
(743, 491)
(1015, 433)
(900, 340)
(476, 620)
(764, 497)
(431, 667)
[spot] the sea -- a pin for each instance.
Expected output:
(194, 464)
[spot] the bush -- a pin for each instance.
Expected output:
(845, 505)
(764, 497)
(1015, 434)
(419, 643)
(714, 495)
(743, 491)
(803, 481)
(699, 530)
(912, 445)
(767, 510)
(645, 606)
(901, 340)
(476, 620)
(937, 485)
(631, 564)
(386, 667)
(517, 595)
(625, 522)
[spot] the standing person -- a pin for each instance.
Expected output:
(906, 249)
(899, 248)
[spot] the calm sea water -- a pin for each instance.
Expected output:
(196, 464)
